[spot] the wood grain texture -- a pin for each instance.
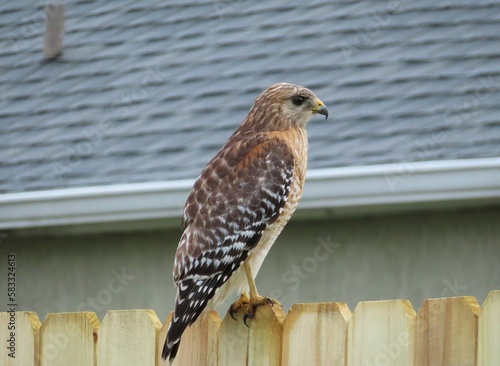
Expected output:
(446, 332)
(128, 337)
(324, 326)
(489, 331)
(27, 327)
(69, 339)
(381, 333)
(233, 340)
(199, 342)
(265, 337)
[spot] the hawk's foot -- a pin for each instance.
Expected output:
(256, 302)
(235, 306)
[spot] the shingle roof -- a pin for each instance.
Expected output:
(150, 90)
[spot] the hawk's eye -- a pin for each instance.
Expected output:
(298, 100)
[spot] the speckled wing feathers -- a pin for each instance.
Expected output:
(241, 191)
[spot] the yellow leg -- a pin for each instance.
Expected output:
(254, 294)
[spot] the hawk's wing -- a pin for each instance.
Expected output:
(241, 191)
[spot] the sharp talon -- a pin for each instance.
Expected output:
(245, 317)
(231, 314)
(249, 315)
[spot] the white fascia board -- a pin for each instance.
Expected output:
(398, 185)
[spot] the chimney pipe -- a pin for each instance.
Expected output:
(54, 31)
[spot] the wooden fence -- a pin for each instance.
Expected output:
(447, 331)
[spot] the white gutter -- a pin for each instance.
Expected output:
(364, 188)
(404, 183)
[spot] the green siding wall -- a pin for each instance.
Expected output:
(412, 256)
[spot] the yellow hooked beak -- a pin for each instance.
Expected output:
(317, 106)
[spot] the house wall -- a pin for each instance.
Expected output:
(412, 256)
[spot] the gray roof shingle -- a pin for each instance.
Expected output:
(150, 90)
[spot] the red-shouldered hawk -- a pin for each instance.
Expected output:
(239, 205)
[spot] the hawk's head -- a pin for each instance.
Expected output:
(283, 106)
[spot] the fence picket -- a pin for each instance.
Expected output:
(489, 331)
(233, 340)
(266, 336)
(128, 337)
(324, 326)
(381, 333)
(69, 339)
(446, 332)
(199, 342)
(25, 338)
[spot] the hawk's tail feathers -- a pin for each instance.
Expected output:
(170, 350)
(192, 297)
